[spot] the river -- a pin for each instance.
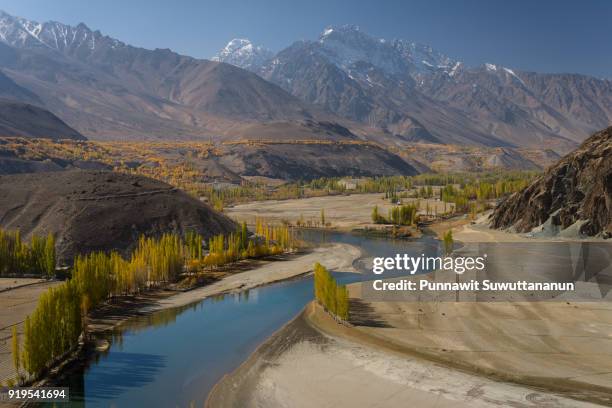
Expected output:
(174, 357)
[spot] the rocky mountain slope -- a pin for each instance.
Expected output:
(100, 210)
(577, 191)
(417, 93)
(429, 157)
(25, 120)
(392, 91)
(231, 161)
(105, 88)
(314, 160)
(9, 90)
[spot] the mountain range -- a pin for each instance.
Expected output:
(416, 93)
(107, 89)
(344, 85)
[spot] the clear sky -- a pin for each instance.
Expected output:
(538, 35)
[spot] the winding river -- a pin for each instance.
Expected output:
(174, 357)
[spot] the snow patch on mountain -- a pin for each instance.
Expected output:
(423, 57)
(454, 69)
(23, 33)
(242, 53)
(327, 31)
(347, 45)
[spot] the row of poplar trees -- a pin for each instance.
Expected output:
(333, 297)
(54, 327)
(36, 257)
(57, 322)
(224, 249)
(51, 330)
(398, 215)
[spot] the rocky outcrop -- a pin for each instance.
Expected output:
(577, 190)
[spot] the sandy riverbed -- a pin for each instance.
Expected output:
(336, 257)
(550, 344)
(562, 344)
(484, 354)
(342, 211)
(315, 362)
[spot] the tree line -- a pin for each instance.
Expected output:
(467, 193)
(399, 215)
(19, 257)
(393, 186)
(51, 330)
(466, 196)
(333, 297)
(54, 327)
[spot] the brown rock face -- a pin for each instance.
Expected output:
(578, 187)
(101, 210)
(25, 120)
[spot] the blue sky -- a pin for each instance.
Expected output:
(538, 35)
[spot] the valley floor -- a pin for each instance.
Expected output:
(554, 345)
(313, 361)
(429, 354)
(344, 212)
(16, 304)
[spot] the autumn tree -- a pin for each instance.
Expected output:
(49, 255)
(333, 297)
(19, 257)
(15, 350)
(448, 242)
(376, 218)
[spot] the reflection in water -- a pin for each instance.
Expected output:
(173, 357)
(124, 371)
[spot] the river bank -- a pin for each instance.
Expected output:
(338, 256)
(112, 315)
(313, 361)
(484, 353)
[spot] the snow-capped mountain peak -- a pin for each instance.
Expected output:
(244, 54)
(348, 44)
(23, 33)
